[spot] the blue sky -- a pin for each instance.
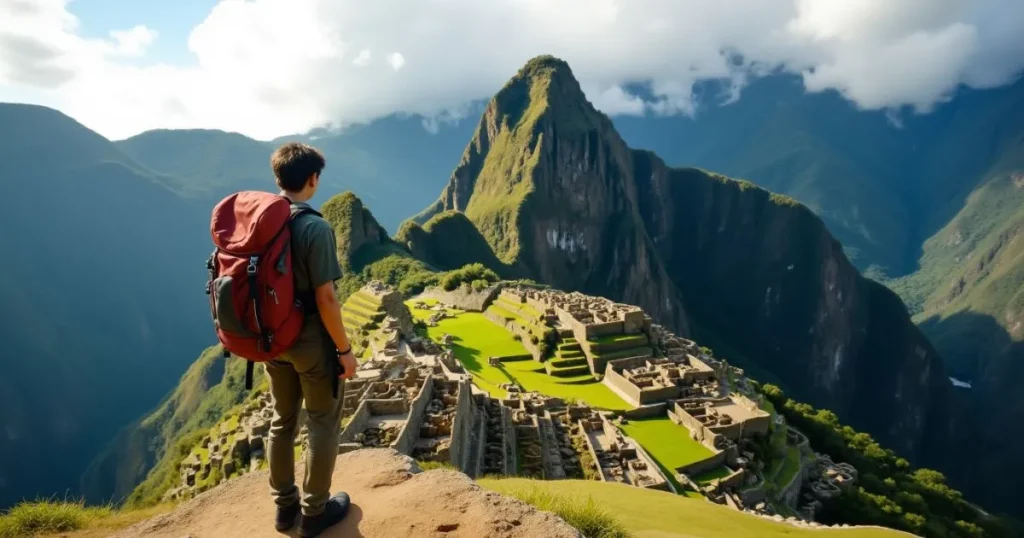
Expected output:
(172, 19)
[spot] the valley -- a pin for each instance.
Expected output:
(548, 190)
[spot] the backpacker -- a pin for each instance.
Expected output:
(252, 289)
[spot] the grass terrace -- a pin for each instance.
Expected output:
(667, 442)
(476, 338)
(646, 513)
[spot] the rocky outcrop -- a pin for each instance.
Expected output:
(555, 190)
(391, 497)
(354, 227)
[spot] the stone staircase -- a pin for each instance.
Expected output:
(568, 360)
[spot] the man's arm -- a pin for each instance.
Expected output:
(330, 314)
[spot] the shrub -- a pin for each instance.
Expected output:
(31, 518)
(588, 517)
(431, 465)
(475, 275)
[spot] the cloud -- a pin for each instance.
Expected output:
(272, 67)
(396, 60)
(133, 42)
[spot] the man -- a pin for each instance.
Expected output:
(309, 370)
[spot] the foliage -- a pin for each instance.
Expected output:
(584, 514)
(474, 274)
(31, 518)
(890, 493)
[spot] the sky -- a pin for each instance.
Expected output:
(267, 68)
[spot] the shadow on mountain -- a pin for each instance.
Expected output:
(987, 415)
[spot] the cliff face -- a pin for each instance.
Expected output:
(553, 188)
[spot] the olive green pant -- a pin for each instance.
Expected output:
(304, 375)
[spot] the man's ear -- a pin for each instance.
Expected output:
(313, 180)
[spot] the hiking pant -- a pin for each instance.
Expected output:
(293, 378)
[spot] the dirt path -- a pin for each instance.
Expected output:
(390, 498)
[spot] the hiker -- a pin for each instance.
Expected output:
(272, 298)
(308, 371)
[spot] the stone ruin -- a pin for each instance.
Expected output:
(435, 432)
(825, 480)
(231, 449)
(619, 458)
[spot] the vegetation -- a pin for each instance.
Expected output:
(475, 275)
(584, 514)
(646, 513)
(889, 493)
(55, 516)
(667, 442)
(477, 338)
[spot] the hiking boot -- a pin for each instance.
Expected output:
(286, 517)
(334, 512)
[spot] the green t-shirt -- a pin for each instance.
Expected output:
(315, 262)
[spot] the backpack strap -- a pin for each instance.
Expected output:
(249, 366)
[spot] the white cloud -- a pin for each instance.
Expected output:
(363, 59)
(396, 60)
(256, 74)
(133, 42)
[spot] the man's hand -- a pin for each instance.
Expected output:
(348, 365)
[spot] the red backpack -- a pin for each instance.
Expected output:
(252, 290)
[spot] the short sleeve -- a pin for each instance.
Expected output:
(323, 254)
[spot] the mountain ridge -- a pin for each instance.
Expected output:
(610, 198)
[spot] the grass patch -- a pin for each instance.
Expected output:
(583, 513)
(711, 475)
(666, 441)
(51, 517)
(432, 465)
(646, 513)
(475, 338)
(784, 469)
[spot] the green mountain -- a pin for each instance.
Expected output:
(393, 163)
(98, 294)
(555, 190)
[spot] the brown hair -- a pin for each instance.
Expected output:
(293, 163)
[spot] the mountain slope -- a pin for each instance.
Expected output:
(552, 187)
(143, 456)
(394, 163)
(882, 185)
(103, 265)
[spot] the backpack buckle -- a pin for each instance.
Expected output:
(251, 270)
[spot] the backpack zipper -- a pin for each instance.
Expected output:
(273, 295)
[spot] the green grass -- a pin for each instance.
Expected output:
(783, 469)
(593, 520)
(476, 338)
(432, 465)
(640, 339)
(45, 517)
(711, 475)
(647, 513)
(666, 441)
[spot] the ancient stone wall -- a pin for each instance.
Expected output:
(509, 429)
(410, 430)
(648, 411)
(620, 385)
(462, 427)
(355, 425)
(790, 493)
(705, 464)
(464, 297)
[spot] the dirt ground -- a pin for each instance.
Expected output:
(390, 498)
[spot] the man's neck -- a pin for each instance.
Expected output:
(295, 197)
